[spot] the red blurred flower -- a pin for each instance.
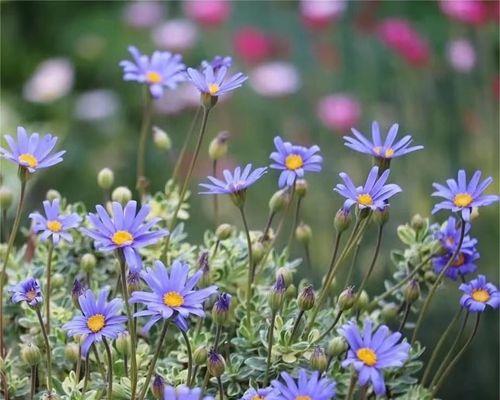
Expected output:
(318, 14)
(475, 12)
(496, 87)
(252, 44)
(339, 112)
(207, 12)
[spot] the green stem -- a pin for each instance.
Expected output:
(141, 181)
(185, 145)
(98, 362)
(353, 265)
(221, 388)
(308, 255)
(294, 224)
(250, 264)
(48, 288)
(405, 316)
(296, 325)
(86, 376)
(218, 333)
(189, 354)
(79, 363)
(270, 338)
(352, 385)
(47, 348)
(334, 323)
(33, 382)
(110, 369)
(268, 225)
(216, 202)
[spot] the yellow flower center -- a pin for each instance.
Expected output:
(459, 261)
(300, 397)
(173, 299)
(29, 159)
(462, 199)
(481, 295)
(122, 237)
(365, 199)
(367, 355)
(96, 322)
(153, 77)
(54, 225)
(31, 294)
(293, 162)
(258, 397)
(213, 89)
(389, 152)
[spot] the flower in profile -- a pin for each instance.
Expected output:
(215, 82)
(373, 194)
(184, 393)
(268, 393)
(386, 149)
(217, 63)
(339, 111)
(54, 223)
(478, 294)
(100, 319)
(173, 294)
(294, 160)
(31, 151)
(372, 352)
(234, 184)
(448, 235)
(124, 230)
(162, 71)
(311, 387)
(28, 291)
(463, 264)
(462, 197)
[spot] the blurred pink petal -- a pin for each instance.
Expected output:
(176, 35)
(207, 12)
(475, 12)
(143, 14)
(461, 55)
(275, 79)
(252, 45)
(319, 13)
(52, 79)
(339, 112)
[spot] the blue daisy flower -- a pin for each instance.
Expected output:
(184, 393)
(268, 393)
(305, 387)
(215, 82)
(478, 294)
(28, 291)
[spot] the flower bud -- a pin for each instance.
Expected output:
(346, 299)
(57, 280)
(6, 197)
(389, 312)
(105, 178)
(220, 310)
(133, 282)
(306, 298)
(123, 343)
(158, 387)
(277, 294)
(412, 291)
(286, 274)
(30, 354)
(303, 233)
(279, 200)
(258, 251)
(363, 301)
(342, 220)
(200, 355)
(417, 222)
(318, 359)
(336, 346)
(291, 292)
(77, 290)
(161, 140)
(218, 146)
(88, 263)
(52, 195)
(122, 195)
(71, 352)
(204, 266)
(301, 187)
(381, 216)
(224, 231)
(215, 364)
(430, 276)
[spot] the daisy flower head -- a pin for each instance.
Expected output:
(464, 263)
(124, 230)
(460, 196)
(268, 393)
(184, 393)
(373, 195)
(173, 294)
(305, 387)
(100, 319)
(28, 291)
(448, 235)
(234, 184)
(31, 152)
(54, 224)
(294, 160)
(163, 70)
(478, 294)
(372, 352)
(217, 63)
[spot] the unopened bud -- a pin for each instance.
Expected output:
(57, 280)
(215, 364)
(30, 354)
(122, 195)
(76, 291)
(381, 216)
(286, 273)
(412, 291)
(389, 312)
(430, 276)
(123, 343)
(301, 187)
(52, 195)
(363, 301)
(417, 222)
(200, 355)
(105, 178)
(318, 359)
(346, 299)
(279, 200)
(306, 298)
(303, 233)
(204, 266)
(158, 387)
(71, 352)
(218, 146)
(133, 282)
(277, 294)
(161, 139)
(336, 346)
(224, 231)
(88, 263)
(342, 219)
(6, 197)
(220, 310)
(258, 251)
(291, 292)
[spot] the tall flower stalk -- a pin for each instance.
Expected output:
(141, 178)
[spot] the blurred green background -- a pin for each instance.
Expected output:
(452, 110)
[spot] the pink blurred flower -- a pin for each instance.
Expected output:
(252, 44)
(52, 79)
(475, 12)
(176, 35)
(275, 79)
(208, 12)
(399, 35)
(495, 85)
(143, 14)
(339, 112)
(461, 55)
(319, 13)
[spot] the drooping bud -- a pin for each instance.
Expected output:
(133, 282)
(218, 146)
(277, 295)
(389, 312)
(363, 301)
(31, 354)
(346, 299)
(215, 363)
(52, 195)
(71, 351)
(88, 263)
(122, 195)
(279, 201)
(381, 216)
(220, 310)
(306, 298)
(301, 187)
(318, 359)
(336, 346)
(6, 197)
(258, 251)
(224, 231)
(200, 355)
(161, 139)
(158, 387)
(303, 233)
(286, 274)
(123, 343)
(204, 266)
(412, 291)
(417, 222)
(105, 178)
(77, 290)
(342, 219)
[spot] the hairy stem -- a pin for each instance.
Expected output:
(48, 288)
(110, 369)
(270, 338)
(47, 348)
(141, 149)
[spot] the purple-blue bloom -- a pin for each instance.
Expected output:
(217, 62)
(28, 291)
(54, 223)
(162, 70)
(173, 294)
(371, 352)
(310, 387)
(31, 151)
(381, 149)
(463, 264)
(478, 294)
(100, 319)
(124, 230)
(448, 235)
(215, 82)
(462, 197)
(268, 393)
(184, 393)
(293, 160)
(373, 194)
(235, 182)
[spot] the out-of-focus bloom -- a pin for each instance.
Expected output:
(372, 195)
(400, 36)
(463, 264)
(184, 393)
(208, 12)
(461, 55)
(275, 79)
(100, 319)
(478, 294)
(162, 71)
(124, 230)
(252, 45)
(28, 291)
(268, 393)
(96, 105)
(448, 235)
(218, 62)
(378, 149)
(31, 151)
(294, 160)
(143, 14)
(338, 112)
(173, 294)
(462, 197)
(311, 387)
(175, 35)
(52, 79)
(371, 352)
(319, 13)
(54, 223)
(215, 83)
(474, 12)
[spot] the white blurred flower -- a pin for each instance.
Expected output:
(319, 13)
(275, 79)
(175, 35)
(143, 14)
(52, 79)
(96, 105)
(461, 55)
(339, 111)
